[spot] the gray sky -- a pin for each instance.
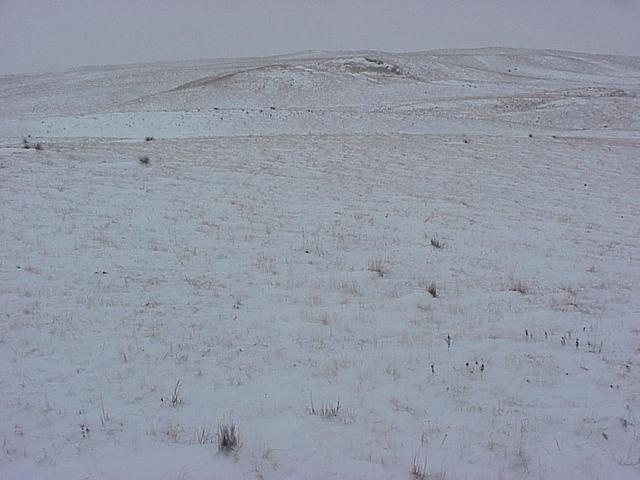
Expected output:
(44, 35)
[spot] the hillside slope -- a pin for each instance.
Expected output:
(370, 263)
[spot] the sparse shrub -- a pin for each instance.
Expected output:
(312, 409)
(104, 416)
(520, 287)
(26, 143)
(419, 471)
(174, 432)
(350, 288)
(595, 348)
(228, 438)
(330, 411)
(378, 266)
(522, 459)
(204, 436)
(419, 468)
(326, 411)
(176, 399)
(144, 160)
(433, 289)
(437, 243)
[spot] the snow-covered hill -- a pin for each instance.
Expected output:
(270, 265)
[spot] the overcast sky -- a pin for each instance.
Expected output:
(44, 35)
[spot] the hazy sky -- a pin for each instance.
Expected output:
(43, 35)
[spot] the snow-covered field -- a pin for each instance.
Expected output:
(270, 268)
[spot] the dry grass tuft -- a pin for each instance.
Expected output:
(520, 287)
(377, 265)
(228, 438)
(437, 243)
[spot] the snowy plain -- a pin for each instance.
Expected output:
(271, 267)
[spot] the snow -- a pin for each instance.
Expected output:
(274, 258)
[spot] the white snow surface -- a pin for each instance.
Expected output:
(269, 267)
